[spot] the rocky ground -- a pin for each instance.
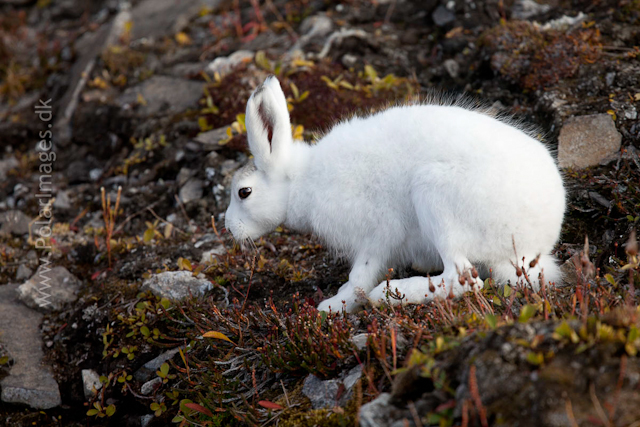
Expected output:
(124, 302)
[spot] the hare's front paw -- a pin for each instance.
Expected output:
(345, 298)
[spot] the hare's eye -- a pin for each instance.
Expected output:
(243, 193)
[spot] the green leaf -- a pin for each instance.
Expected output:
(164, 369)
(262, 61)
(370, 73)
(217, 335)
(111, 409)
(204, 125)
(92, 412)
(148, 235)
(294, 89)
(527, 312)
(145, 331)
(4, 360)
(507, 291)
(609, 278)
(581, 348)
(535, 358)
(491, 320)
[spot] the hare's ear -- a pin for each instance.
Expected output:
(268, 126)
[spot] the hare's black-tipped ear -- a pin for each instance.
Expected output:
(268, 125)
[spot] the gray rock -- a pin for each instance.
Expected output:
(587, 140)
(90, 383)
(14, 222)
(223, 65)
(319, 25)
(191, 191)
(207, 238)
(183, 176)
(349, 60)
(162, 94)
(380, 412)
(149, 369)
(29, 381)
(88, 46)
(609, 78)
(49, 289)
(188, 69)
(177, 285)
(158, 18)
(631, 113)
(6, 165)
(210, 255)
(452, 67)
(23, 272)
(145, 420)
(360, 341)
(315, 28)
(373, 414)
(442, 16)
(324, 394)
(525, 9)
(229, 166)
(210, 140)
(151, 385)
(62, 200)
(569, 273)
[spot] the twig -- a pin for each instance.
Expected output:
(475, 394)
(597, 405)
(570, 415)
(253, 264)
(414, 414)
(184, 212)
(616, 394)
(133, 215)
(387, 16)
(285, 394)
(281, 19)
(165, 221)
(109, 216)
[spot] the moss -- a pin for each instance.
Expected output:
(538, 59)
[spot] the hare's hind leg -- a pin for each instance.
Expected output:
(457, 278)
(546, 268)
(445, 231)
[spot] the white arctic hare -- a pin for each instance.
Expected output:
(440, 187)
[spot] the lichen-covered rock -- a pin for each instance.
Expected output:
(177, 285)
(49, 289)
(161, 93)
(330, 393)
(14, 222)
(520, 383)
(29, 381)
(90, 383)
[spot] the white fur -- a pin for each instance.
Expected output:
(441, 187)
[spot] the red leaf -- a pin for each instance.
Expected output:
(199, 408)
(95, 275)
(447, 405)
(270, 405)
